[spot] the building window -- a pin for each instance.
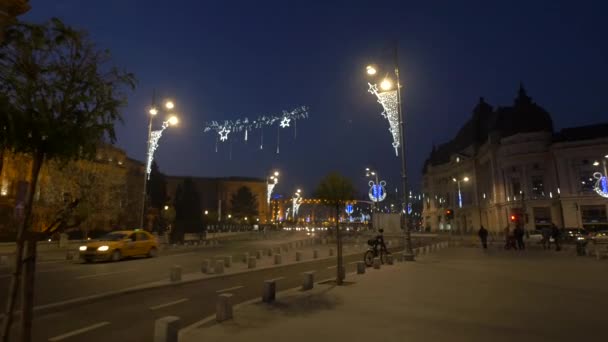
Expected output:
(594, 216)
(515, 186)
(586, 181)
(542, 217)
(538, 186)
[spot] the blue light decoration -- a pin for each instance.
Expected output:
(377, 191)
(409, 208)
(349, 209)
(459, 199)
(601, 185)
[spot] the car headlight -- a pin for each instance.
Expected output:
(82, 248)
(103, 248)
(580, 238)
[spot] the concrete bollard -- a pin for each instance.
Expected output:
(218, 268)
(245, 258)
(175, 273)
(331, 252)
(377, 263)
(206, 266)
(268, 294)
(360, 267)
(298, 256)
(228, 261)
(251, 262)
(269, 252)
(166, 329)
(389, 259)
(258, 254)
(223, 307)
(309, 280)
(278, 259)
(315, 254)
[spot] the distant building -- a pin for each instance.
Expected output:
(9, 10)
(507, 165)
(109, 188)
(216, 193)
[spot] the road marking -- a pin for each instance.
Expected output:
(78, 332)
(230, 289)
(351, 263)
(102, 274)
(330, 267)
(277, 279)
(160, 306)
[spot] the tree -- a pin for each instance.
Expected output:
(188, 216)
(336, 190)
(61, 100)
(244, 203)
(157, 187)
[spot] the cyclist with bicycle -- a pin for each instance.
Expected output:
(377, 249)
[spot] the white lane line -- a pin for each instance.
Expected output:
(330, 267)
(160, 306)
(230, 289)
(352, 263)
(102, 274)
(78, 332)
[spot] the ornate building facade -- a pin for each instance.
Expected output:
(508, 165)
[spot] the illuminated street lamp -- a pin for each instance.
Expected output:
(390, 99)
(152, 145)
(457, 181)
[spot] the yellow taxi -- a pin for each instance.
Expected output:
(120, 244)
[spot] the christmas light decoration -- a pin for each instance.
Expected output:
(349, 209)
(239, 125)
(270, 186)
(390, 104)
(296, 200)
(153, 145)
(601, 184)
(377, 191)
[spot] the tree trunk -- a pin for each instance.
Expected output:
(339, 270)
(27, 290)
(21, 238)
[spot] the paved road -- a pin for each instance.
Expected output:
(58, 281)
(131, 317)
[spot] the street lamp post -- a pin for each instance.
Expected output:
(151, 144)
(457, 181)
(399, 139)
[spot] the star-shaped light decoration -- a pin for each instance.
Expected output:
(224, 134)
(285, 122)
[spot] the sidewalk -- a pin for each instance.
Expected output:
(457, 294)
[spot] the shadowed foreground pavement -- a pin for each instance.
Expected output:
(457, 294)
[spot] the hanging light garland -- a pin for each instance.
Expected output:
(389, 101)
(226, 127)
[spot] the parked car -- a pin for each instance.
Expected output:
(574, 234)
(120, 244)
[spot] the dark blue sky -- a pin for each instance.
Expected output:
(229, 59)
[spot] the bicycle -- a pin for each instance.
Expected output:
(377, 248)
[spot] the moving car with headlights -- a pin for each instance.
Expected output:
(117, 245)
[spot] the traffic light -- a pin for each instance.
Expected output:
(449, 214)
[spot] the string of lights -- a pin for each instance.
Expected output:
(224, 128)
(390, 103)
(153, 145)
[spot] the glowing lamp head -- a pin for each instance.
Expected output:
(173, 120)
(276, 173)
(370, 70)
(386, 84)
(299, 190)
(166, 207)
(466, 179)
(454, 179)
(153, 111)
(596, 163)
(606, 156)
(206, 212)
(169, 105)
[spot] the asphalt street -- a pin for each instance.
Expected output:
(62, 280)
(131, 317)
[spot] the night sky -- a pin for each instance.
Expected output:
(231, 59)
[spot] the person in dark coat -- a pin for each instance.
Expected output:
(519, 233)
(483, 236)
(556, 235)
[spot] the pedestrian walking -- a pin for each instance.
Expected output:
(519, 233)
(556, 235)
(483, 236)
(546, 233)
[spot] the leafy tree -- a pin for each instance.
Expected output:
(188, 216)
(61, 99)
(244, 203)
(335, 190)
(157, 187)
